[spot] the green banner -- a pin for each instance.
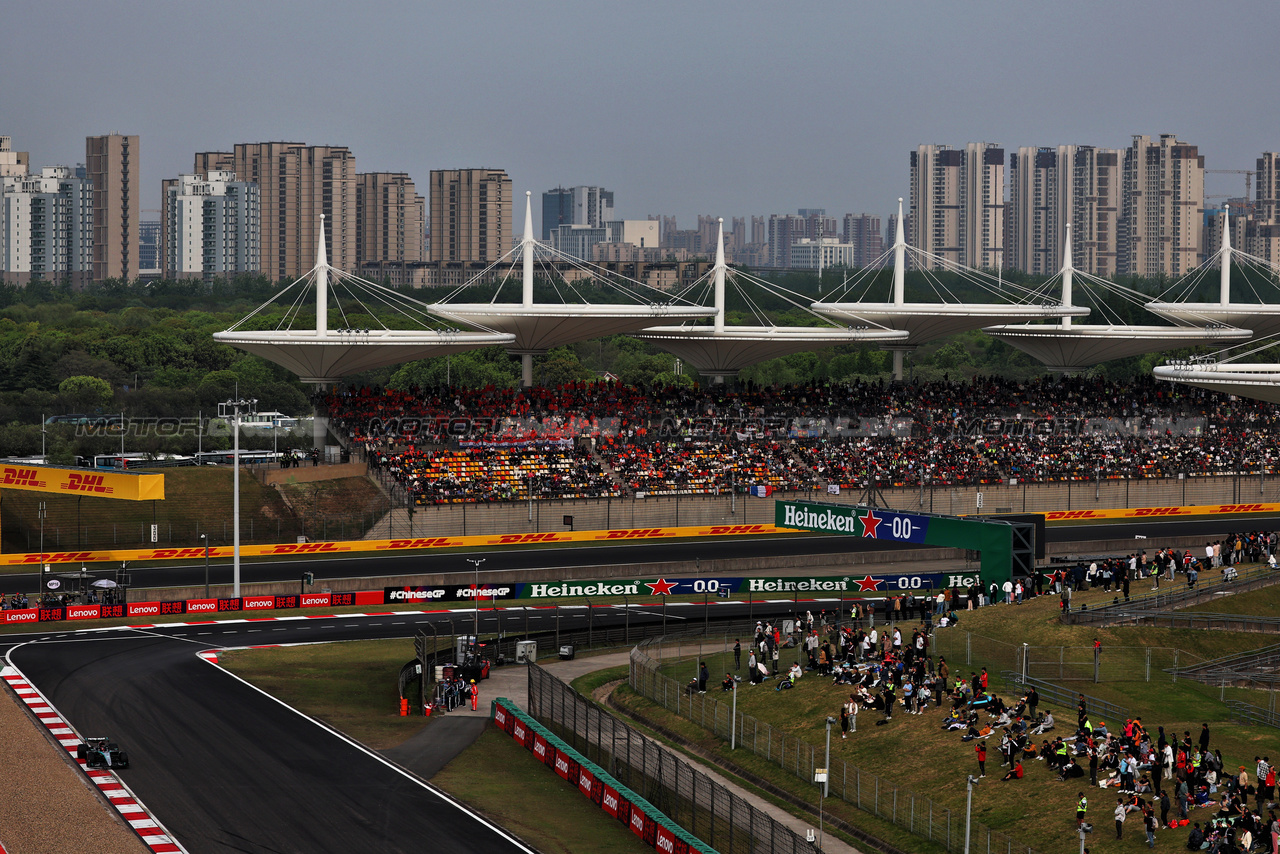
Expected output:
(993, 539)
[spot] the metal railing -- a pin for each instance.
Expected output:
(1099, 710)
(1172, 595)
(1251, 714)
(689, 797)
(915, 813)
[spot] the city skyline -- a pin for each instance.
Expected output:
(645, 123)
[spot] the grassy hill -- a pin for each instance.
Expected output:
(198, 500)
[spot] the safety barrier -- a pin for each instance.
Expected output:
(605, 791)
(203, 607)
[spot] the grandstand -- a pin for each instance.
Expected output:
(607, 440)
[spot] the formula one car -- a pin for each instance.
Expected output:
(102, 753)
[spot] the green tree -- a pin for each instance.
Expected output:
(86, 393)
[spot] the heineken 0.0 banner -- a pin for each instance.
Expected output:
(776, 587)
(994, 539)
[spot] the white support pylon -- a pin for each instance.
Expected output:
(526, 246)
(322, 285)
(1068, 268)
(899, 260)
(719, 278)
(1224, 275)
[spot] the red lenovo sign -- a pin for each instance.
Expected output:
(83, 612)
(22, 615)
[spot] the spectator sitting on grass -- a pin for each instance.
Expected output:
(1015, 773)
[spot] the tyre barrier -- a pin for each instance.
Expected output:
(619, 802)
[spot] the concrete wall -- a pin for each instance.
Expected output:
(673, 511)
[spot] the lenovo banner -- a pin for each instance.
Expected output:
(83, 612)
(611, 801)
(450, 593)
(258, 603)
(313, 600)
(21, 615)
(51, 615)
(202, 606)
(586, 782)
(107, 611)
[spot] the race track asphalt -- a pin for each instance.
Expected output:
(228, 769)
(367, 564)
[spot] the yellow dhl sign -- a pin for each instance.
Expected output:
(66, 481)
(1066, 516)
(350, 546)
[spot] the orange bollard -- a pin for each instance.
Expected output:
(404, 707)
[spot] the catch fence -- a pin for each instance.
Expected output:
(918, 814)
(689, 797)
(967, 652)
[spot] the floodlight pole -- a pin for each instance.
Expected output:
(968, 811)
(475, 594)
(235, 408)
(205, 537)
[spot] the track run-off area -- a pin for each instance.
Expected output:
(224, 767)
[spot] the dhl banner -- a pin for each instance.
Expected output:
(351, 546)
(498, 540)
(126, 485)
(1062, 516)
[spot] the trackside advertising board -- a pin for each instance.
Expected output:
(194, 607)
(993, 539)
(644, 820)
(883, 525)
(129, 486)
(408, 544)
(760, 588)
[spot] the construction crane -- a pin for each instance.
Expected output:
(1248, 180)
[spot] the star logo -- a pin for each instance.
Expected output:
(661, 587)
(870, 523)
(869, 583)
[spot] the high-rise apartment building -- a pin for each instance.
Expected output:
(592, 206)
(112, 164)
(1163, 200)
(784, 230)
(46, 227)
(1097, 197)
(149, 243)
(390, 219)
(470, 214)
(296, 184)
(212, 226)
(957, 204)
(557, 210)
(1267, 181)
(862, 231)
(1042, 202)
(737, 235)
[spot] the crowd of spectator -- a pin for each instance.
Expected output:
(607, 439)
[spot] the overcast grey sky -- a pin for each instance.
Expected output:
(681, 108)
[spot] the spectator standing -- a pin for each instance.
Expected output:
(1120, 813)
(737, 654)
(703, 676)
(981, 750)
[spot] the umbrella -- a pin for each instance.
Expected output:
(103, 582)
